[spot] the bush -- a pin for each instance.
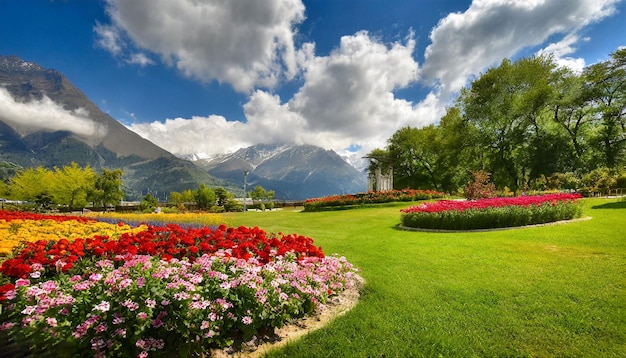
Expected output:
(479, 187)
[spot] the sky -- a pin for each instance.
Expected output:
(206, 77)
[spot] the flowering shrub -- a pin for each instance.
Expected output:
(166, 290)
(17, 228)
(492, 212)
(136, 304)
(479, 187)
(339, 201)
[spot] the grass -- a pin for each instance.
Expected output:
(531, 292)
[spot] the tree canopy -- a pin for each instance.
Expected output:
(522, 122)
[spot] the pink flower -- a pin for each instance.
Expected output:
(22, 282)
(29, 310)
(246, 320)
(102, 306)
(150, 303)
(142, 315)
(6, 325)
(52, 322)
(156, 323)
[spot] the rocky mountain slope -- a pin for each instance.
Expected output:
(293, 171)
(28, 142)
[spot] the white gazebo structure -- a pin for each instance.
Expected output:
(379, 179)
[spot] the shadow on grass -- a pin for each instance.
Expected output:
(617, 205)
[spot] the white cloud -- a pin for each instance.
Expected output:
(46, 114)
(140, 59)
(108, 38)
(244, 43)
(198, 135)
(464, 44)
(560, 50)
(346, 100)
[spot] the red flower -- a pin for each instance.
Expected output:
(4, 289)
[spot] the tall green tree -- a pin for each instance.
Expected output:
(605, 84)
(107, 188)
(416, 157)
(505, 105)
(204, 197)
(222, 196)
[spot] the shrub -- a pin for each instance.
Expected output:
(479, 187)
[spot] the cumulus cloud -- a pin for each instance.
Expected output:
(464, 44)
(348, 97)
(346, 100)
(244, 43)
(560, 50)
(46, 114)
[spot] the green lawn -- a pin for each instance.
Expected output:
(550, 291)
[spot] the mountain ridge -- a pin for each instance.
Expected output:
(292, 171)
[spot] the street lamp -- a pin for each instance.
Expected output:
(245, 189)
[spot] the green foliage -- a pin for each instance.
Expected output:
(69, 186)
(149, 203)
(522, 122)
(264, 196)
(232, 205)
(204, 197)
(600, 179)
(107, 189)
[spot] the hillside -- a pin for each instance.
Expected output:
(29, 142)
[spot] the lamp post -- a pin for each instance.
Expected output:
(245, 189)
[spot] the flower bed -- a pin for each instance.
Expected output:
(337, 202)
(167, 290)
(492, 213)
(17, 228)
(153, 219)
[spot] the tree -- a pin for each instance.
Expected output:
(188, 196)
(29, 184)
(71, 185)
(107, 188)
(259, 193)
(149, 202)
(605, 84)
(222, 196)
(176, 198)
(416, 157)
(204, 197)
(506, 105)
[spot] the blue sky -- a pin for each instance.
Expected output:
(207, 77)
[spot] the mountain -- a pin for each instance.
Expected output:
(106, 143)
(294, 172)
